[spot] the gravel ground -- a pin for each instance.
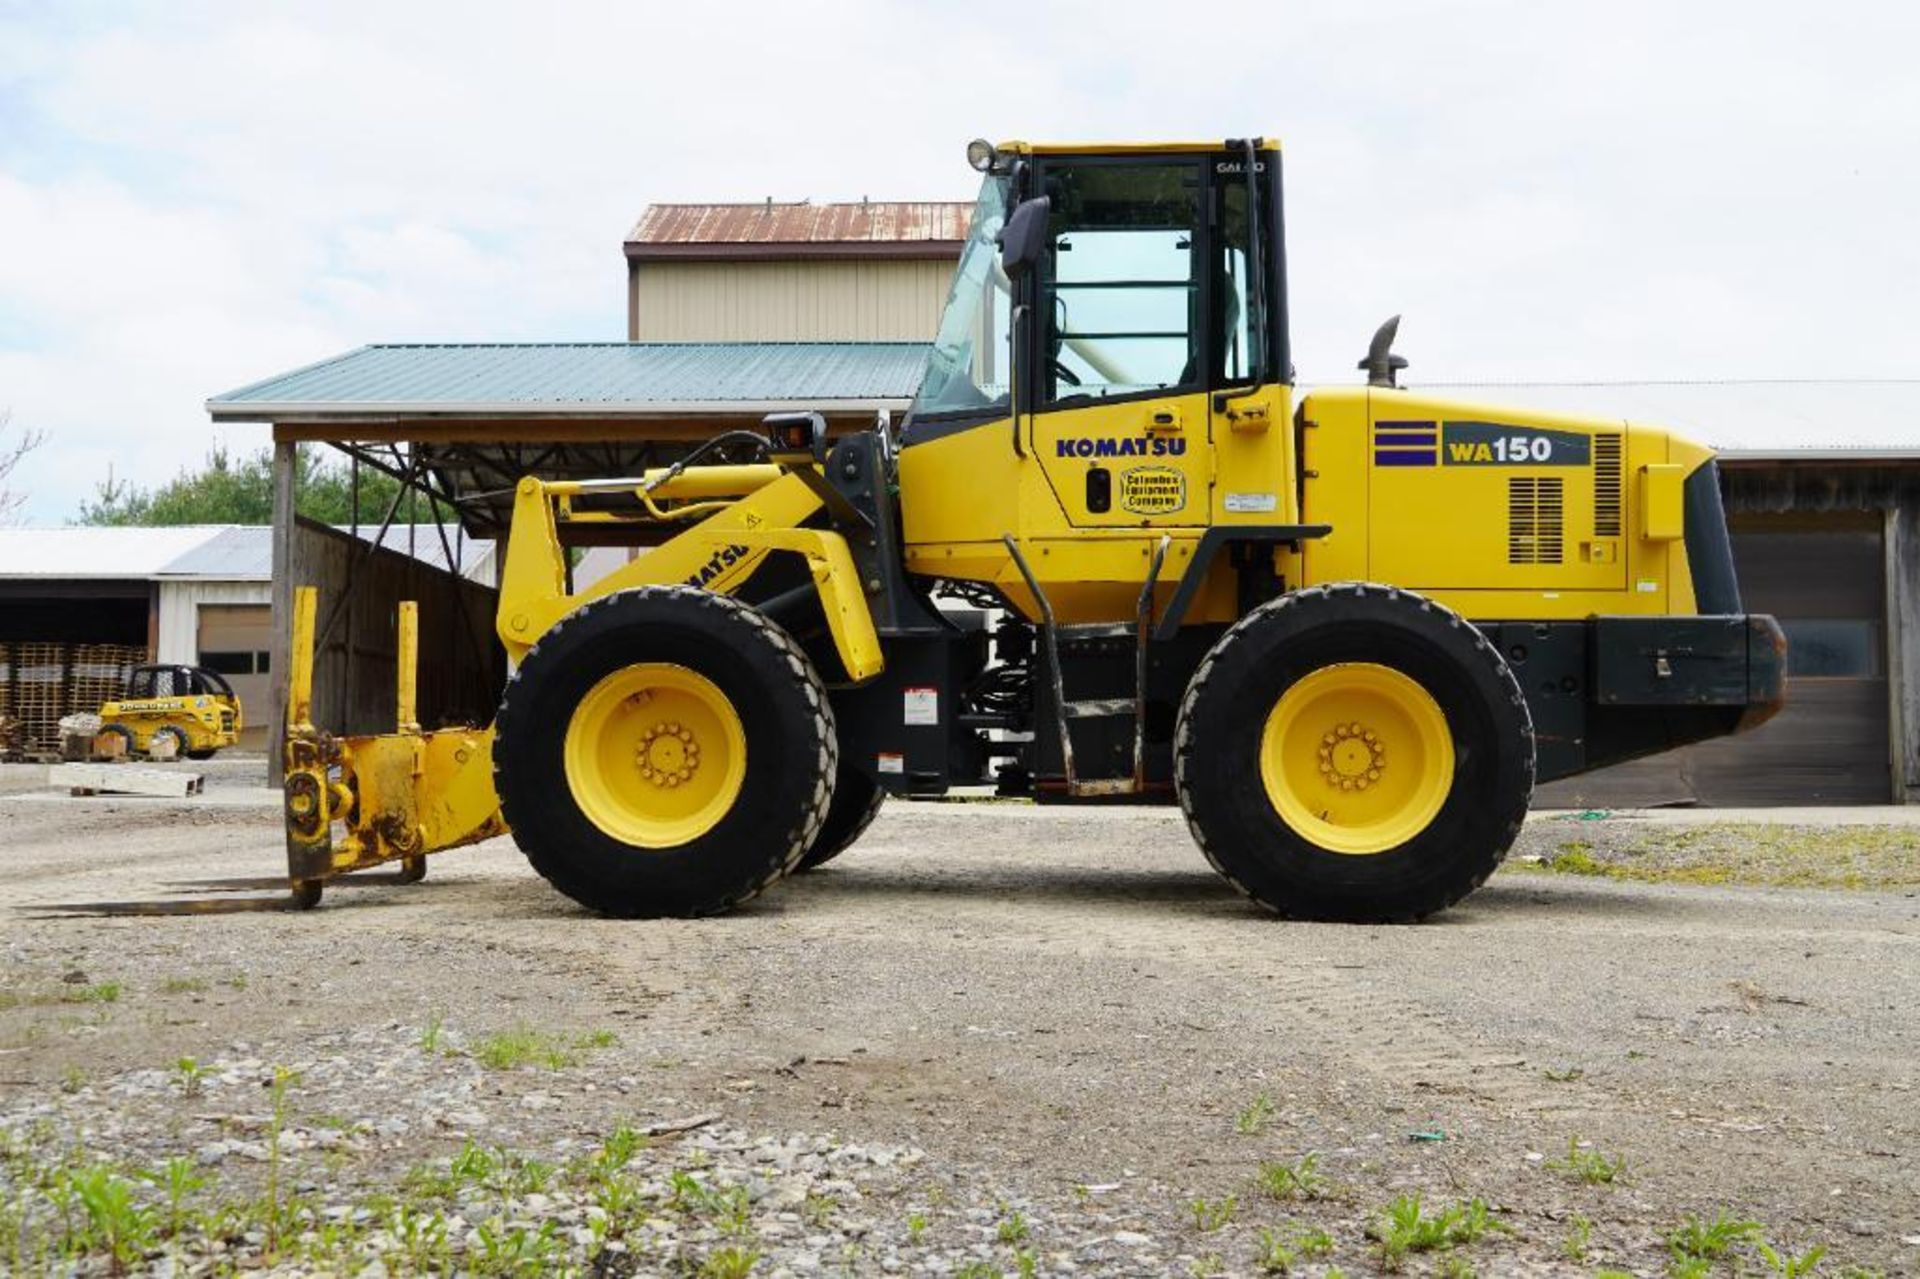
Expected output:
(990, 1039)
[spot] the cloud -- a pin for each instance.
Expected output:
(197, 195)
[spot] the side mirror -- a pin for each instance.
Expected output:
(1024, 236)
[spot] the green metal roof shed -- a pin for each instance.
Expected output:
(609, 380)
(459, 424)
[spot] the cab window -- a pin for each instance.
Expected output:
(1120, 284)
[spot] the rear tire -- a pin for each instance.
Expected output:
(856, 802)
(601, 794)
(1354, 753)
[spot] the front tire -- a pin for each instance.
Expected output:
(664, 752)
(1354, 753)
(172, 734)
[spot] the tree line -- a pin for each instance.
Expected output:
(238, 489)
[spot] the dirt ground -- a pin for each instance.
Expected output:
(1051, 1041)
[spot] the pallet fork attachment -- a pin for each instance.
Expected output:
(395, 796)
(398, 796)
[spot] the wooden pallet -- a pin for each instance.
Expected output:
(39, 683)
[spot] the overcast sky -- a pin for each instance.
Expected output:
(197, 195)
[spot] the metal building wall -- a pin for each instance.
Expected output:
(1840, 740)
(840, 301)
(178, 637)
(461, 669)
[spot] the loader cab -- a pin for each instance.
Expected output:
(1117, 329)
(1148, 281)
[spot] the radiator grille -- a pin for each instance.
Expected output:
(1606, 485)
(1536, 517)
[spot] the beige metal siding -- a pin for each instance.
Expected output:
(237, 630)
(844, 301)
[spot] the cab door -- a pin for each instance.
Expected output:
(1120, 420)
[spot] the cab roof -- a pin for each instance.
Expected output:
(1267, 143)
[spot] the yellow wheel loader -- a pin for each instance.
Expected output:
(1110, 556)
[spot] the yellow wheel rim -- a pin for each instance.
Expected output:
(655, 755)
(1357, 758)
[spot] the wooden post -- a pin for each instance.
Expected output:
(1902, 551)
(284, 452)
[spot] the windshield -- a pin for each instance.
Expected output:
(968, 368)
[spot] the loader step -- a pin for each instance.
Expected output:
(1100, 708)
(1093, 787)
(1096, 630)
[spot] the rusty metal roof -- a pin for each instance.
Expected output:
(926, 229)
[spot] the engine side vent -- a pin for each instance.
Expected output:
(1536, 519)
(1606, 485)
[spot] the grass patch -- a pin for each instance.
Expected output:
(525, 1046)
(1717, 853)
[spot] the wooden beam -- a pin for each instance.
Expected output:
(1902, 551)
(284, 457)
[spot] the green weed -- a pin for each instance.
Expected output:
(1589, 1165)
(190, 1076)
(1300, 1179)
(1786, 1264)
(1276, 1253)
(1253, 1117)
(1406, 1227)
(115, 1222)
(1694, 1240)
(1211, 1214)
(728, 1263)
(817, 1209)
(283, 1079)
(726, 1206)
(499, 1250)
(1014, 1228)
(1579, 1239)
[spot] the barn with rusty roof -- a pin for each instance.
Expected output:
(875, 271)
